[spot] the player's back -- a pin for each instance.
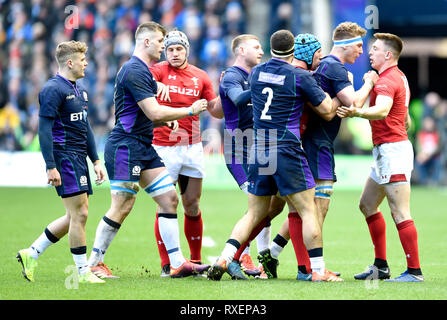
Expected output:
(235, 118)
(277, 101)
(332, 76)
(67, 103)
(133, 83)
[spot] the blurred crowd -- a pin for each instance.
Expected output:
(30, 31)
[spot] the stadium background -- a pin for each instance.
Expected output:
(30, 31)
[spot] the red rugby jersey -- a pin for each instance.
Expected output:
(185, 86)
(392, 83)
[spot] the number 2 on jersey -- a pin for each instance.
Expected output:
(269, 92)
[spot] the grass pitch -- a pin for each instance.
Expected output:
(133, 255)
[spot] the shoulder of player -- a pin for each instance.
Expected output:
(52, 85)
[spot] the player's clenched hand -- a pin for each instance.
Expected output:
(371, 76)
(163, 92)
(173, 125)
(198, 106)
(54, 178)
(100, 174)
(347, 112)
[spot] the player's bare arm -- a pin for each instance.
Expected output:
(156, 112)
(407, 121)
(324, 109)
(377, 112)
(215, 108)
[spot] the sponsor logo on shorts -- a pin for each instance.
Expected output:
(83, 181)
(136, 170)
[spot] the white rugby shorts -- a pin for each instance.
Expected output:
(185, 160)
(393, 162)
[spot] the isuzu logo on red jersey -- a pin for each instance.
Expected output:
(185, 91)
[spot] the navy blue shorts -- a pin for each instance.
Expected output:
(126, 157)
(74, 173)
(320, 155)
(291, 172)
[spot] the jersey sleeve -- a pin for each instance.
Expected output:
(208, 90)
(50, 101)
(339, 77)
(384, 87)
(232, 89)
(141, 85)
(156, 71)
(311, 89)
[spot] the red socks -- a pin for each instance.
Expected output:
(193, 227)
(409, 239)
(261, 225)
(296, 235)
(161, 247)
(376, 225)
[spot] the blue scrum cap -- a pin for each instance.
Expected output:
(305, 46)
(176, 37)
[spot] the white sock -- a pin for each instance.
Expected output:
(80, 259)
(228, 252)
(317, 265)
(263, 239)
(42, 243)
(168, 227)
(275, 250)
(105, 232)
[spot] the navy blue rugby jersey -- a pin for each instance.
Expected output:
(332, 76)
(134, 82)
(234, 82)
(67, 104)
(278, 92)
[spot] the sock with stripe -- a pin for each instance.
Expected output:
(277, 246)
(296, 235)
(230, 249)
(409, 239)
(45, 240)
(261, 225)
(169, 232)
(263, 238)
(80, 258)
(105, 232)
(193, 227)
(164, 257)
(316, 260)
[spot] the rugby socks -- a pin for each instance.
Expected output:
(230, 249)
(263, 238)
(409, 239)
(193, 227)
(45, 240)
(317, 261)
(261, 225)
(160, 245)
(244, 249)
(277, 246)
(296, 235)
(80, 259)
(377, 230)
(169, 232)
(105, 232)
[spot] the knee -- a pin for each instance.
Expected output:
(81, 214)
(363, 208)
(169, 202)
(191, 205)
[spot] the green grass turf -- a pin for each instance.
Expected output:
(133, 255)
